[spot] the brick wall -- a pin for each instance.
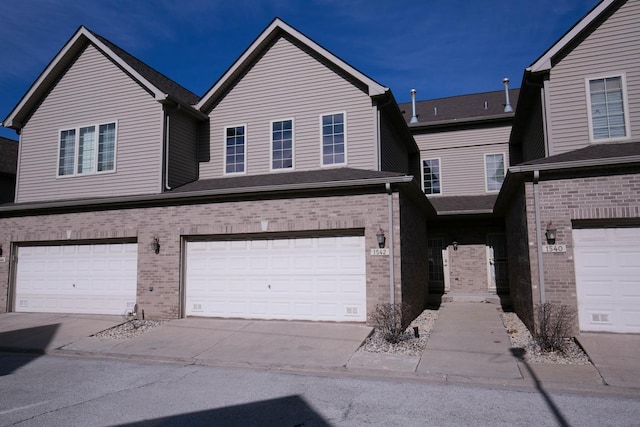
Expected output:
(591, 201)
(358, 213)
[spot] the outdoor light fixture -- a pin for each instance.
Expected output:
(455, 245)
(551, 233)
(156, 245)
(0, 249)
(381, 238)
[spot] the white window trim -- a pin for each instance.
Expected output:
(439, 177)
(77, 146)
(224, 149)
(625, 105)
(504, 167)
(293, 145)
(344, 117)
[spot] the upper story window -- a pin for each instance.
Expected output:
(494, 171)
(87, 150)
(235, 149)
(608, 118)
(333, 139)
(282, 144)
(431, 176)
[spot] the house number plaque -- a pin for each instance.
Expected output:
(379, 251)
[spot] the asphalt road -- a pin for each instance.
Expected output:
(74, 391)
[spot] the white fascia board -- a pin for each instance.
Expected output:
(82, 32)
(544, 62)
(374, 88)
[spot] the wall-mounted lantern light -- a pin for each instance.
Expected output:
(156, 245)
(551, 233)
(0, 249)
(455, 245)
(381, 238)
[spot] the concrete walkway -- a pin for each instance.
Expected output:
(469, 339)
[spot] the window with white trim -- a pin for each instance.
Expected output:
(607, 112)
(235, 149)
(333, 139)
(431, 176)
(78, 148)
(282, 144)
(494, 171)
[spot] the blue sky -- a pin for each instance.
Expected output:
(439, 47)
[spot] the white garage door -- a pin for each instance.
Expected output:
(608, 279)
(88, 279)
(321, 278)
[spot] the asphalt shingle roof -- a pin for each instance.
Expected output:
(592, 152)
(285, 178)
(460, 107)
(462, 204)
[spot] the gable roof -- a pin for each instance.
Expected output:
(460, 109)
(159, 86)
(545, 62)
(251, 54)
(8, 156)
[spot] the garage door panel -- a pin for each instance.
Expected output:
(287, 279)
(607, 265)
(86, 279)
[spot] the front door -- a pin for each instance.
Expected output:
(498, 277)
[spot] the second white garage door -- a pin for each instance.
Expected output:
(607, 262)
(319, 278)
(87, 279)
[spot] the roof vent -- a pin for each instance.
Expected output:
(486, 105)
(507, 105)
(435, 111)
(414, 118)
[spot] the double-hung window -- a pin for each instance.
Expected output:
(235, 149)
(431, 176)
(608, 118)
(282, 144)
(494, 171)
(87, 150)
(333, 139)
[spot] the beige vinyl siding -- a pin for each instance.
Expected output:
(393, 151)
(611, 49)
(183, 162)
(461, 154)
(288, 83)
(92, 91)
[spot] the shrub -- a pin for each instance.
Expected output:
(554, 326)
(390, 320)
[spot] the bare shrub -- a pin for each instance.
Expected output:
(391, 321)
(554, 327)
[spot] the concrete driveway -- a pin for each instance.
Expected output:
(231, 342)
(616, 356)
(44, 332)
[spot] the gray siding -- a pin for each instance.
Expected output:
(93, 90)
(183, 162)
(393, 151)
(533, 141)
(287, 82)
(461, 154)
(612, 48)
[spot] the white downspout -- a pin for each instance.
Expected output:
(392, 294)
(536, 202)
